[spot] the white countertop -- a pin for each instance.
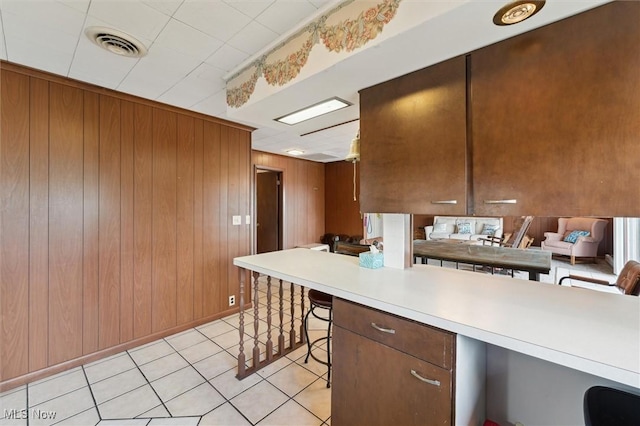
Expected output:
(590, 331)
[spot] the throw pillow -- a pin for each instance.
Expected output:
(573, 236)
(488, 229)
(464, 228)
(439, 227)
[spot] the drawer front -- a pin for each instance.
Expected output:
(374, 384)
(427, 343)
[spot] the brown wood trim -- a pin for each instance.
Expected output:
(32, 72)
(85, 359)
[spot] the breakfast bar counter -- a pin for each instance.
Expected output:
(452, 347)
(593, 332)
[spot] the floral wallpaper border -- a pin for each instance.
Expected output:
(348, 35)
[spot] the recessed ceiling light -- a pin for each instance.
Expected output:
(517, 11)
(295, 152)
(313, 111)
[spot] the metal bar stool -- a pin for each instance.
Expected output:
(318, 299)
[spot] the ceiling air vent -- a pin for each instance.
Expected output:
(116, 42)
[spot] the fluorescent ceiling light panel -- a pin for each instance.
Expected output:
(313, 111)
(295, 152)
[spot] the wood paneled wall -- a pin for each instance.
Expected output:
(342, 213)
(116, 222)
(304, 196)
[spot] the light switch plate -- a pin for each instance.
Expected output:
(247, 219)
(237, 220)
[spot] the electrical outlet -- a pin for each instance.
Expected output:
(237, 220)
(232, 300)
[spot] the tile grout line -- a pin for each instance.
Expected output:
(291, 361)
(27, 401)
(209, 383)
(95, 403)
(291, 398)
(137, 366)
(149, 383)
(51, 398)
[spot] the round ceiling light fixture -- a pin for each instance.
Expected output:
(117, 42)
(517, 11)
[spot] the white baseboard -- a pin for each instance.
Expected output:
(609, 259)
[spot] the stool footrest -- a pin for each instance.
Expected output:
(320, 300)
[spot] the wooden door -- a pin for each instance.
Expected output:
(556, 118)
(374, 384)
(268, 211)
(413, 142)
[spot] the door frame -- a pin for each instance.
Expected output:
(281, 218)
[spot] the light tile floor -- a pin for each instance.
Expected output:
(189, 379)
(184, 379)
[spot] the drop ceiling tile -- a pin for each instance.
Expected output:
(203, 82)
(157, 72)
(35, 55)
(188, 40)
(265, 132)
(79, 5)
(98, 66)
(36, 15)
(252, 38)
(250, 8)
(217, 19)
(134, 18)
(283, 15)
(321, 3)
(226, 58)
(168, 7)
(211, 74)
(215, 105)
(32, 43)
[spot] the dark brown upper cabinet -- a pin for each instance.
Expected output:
(546, 123)
(413, 142)
(556, 118)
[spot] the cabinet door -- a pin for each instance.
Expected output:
(413, 142)
(556, 118)
(373, 384)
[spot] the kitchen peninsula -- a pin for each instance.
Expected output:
(587, 331)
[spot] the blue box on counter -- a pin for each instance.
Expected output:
(371, 260)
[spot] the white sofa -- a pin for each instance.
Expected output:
(464, 228)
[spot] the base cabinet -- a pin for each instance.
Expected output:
(382, 374)
(374, 384)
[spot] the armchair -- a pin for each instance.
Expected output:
(628, 281)
(576, 237)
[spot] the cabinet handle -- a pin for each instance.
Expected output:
(419, 377)
(500, 201)
(384, 330)
(444, 201)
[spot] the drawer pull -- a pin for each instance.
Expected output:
(444, 202)
(384, 330)
(419, 377)
(501, 201)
